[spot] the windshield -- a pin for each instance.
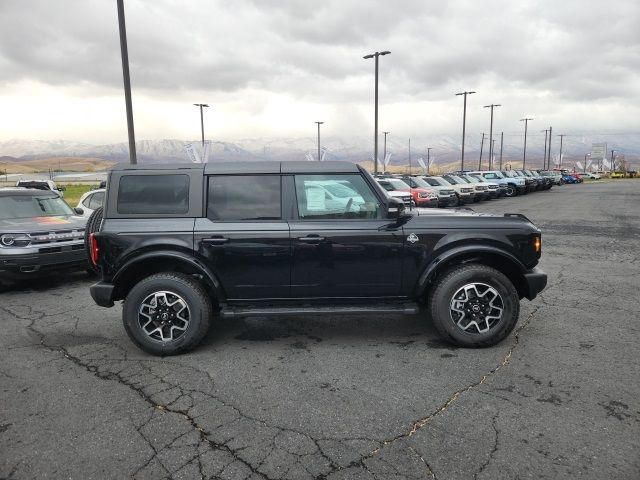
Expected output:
(510, 174)
(25, 206)
(435, 182)
(419, 182)
(472, 179)
(459, 179)
(397, 184)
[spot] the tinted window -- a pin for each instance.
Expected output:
(432, 181)
(153, 194)
(317, 200)
(96, 201)
(244, 197)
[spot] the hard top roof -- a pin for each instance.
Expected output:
(248, 167)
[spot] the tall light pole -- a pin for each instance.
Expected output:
(492, 106)
(319, 123)
(612, 158)
(429, 158)
(481, 148)
(464, 122)
(544, 159)
(127, 82)
(376, 55)
(501, 144)
(585, 161)
(560, 159)
(493, 149)
(549, 154)
(384, 158)
(201, 105)
(524, 151)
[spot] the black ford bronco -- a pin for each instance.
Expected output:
(182, 243)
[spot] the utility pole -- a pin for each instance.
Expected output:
(481, 147)
(612, 159)
(492, 106)
(201, 119)
(127, 83)
(319, 123)
(376, 55)
(524, 152)
(501, 144)
(585, 161)
(409, 157)
(464, 121)
(429, 158)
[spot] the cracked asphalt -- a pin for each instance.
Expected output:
(348, 397)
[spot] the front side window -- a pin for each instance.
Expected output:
(96, 201)
(153, 194)
(244, 197)
(335, 197)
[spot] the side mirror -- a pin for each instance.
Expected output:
(62, 188)
(78, 211)
(395, 208)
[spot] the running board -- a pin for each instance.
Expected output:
(235, 312)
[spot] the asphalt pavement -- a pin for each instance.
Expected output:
(347, 397)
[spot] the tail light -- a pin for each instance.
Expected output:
(94, 250)
(537, 243)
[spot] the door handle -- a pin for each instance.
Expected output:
(215, 240)
(311, 239)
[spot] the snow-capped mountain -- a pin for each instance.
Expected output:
(445, 148)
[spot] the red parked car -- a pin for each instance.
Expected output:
(422, 197)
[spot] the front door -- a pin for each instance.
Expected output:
(243, 238)
(342, 244)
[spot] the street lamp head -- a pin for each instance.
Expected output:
(371, 55)
(201, 105)
(525, 119)
(319, 123)
(386, 52)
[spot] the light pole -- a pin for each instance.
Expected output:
(493, 149)
(376, 55)
(544, 159)
(612, 159)
(409, 157)
(201, 105)
(481, 148)
(524, 152)
(127, 82)
(319, 123)
(501, 144)
(384, 158)
(549, 154)
(429, 158)
(492, 106)
(464, 122)
(585, 161)
(560, 160)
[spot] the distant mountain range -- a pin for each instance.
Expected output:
(445, 149)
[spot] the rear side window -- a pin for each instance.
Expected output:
(96, 201)
(244, 197)
(153, 194)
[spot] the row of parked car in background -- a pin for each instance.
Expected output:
(465, 187)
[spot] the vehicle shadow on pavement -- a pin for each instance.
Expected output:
(47, 282)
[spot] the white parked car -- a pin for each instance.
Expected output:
(590, 176)
(41, 184)
(91, 200)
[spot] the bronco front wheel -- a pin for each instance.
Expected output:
(474, 306)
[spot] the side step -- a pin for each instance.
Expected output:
(268, 311)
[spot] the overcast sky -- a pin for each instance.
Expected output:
(270, 68)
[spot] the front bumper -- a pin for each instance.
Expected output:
(102, 294)
(448, 201)
(535, 280)
(467, 197)
(427, 202)
(31, 264)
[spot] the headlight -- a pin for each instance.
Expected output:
(14, 240)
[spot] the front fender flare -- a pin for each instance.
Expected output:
(462, 252)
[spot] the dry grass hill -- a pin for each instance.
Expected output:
(67, 164)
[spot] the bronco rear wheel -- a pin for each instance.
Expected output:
(167, 314)
(474, 306)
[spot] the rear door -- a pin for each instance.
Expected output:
(243, 237)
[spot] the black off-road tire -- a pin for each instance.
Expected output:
(441, 296)
(93, 224)
(194, 295)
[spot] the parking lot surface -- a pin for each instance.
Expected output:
(345, 397)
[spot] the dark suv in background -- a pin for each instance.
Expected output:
(181, 243)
